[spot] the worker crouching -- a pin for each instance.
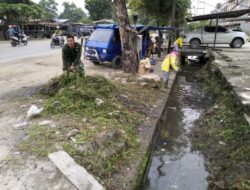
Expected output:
(71, 55)
(169, 61)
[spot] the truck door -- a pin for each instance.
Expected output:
(115, 45)
(208, 34)
(223, 36)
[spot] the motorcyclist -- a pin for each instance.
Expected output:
(58, 34)
(12, 32)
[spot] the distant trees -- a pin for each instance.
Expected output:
(50, 8)
(72, 12)
(19, 11)
(218, 5)
(15, 1)
(99, 9)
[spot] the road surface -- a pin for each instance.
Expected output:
(28, 66)
(33, 49)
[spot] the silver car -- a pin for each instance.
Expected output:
(236, 39)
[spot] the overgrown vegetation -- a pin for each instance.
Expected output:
(224, 135)
(101, 137)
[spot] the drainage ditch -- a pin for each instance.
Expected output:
(173, 164)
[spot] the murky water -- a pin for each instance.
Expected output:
(174, 165)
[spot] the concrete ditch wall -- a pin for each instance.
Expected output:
(235, 73)
(149, 133)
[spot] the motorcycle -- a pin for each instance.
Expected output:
(56, 41)
(18, 40)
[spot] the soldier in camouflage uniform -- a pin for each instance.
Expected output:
(71, 55)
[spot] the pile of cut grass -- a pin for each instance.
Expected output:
(76, 94)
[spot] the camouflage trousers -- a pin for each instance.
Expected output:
(78, 67)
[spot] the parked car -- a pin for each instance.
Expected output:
(236, 39)
(79, 31)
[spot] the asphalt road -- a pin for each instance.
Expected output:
(33, 49)
(25, 68)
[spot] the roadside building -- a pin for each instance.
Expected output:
(240, 23)
(38, 28)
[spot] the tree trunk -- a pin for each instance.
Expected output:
(128, 37)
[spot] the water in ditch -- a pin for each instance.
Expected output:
(174, 166)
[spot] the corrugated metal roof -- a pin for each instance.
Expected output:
(231, 14)
(60, 20)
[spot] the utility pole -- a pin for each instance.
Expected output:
(173, 13)
(171, 36)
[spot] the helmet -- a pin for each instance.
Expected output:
(10, 26)
(58, 27)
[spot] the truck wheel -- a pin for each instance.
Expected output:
(195, 43)
(237, 43)
(96, 62)
(117, 62)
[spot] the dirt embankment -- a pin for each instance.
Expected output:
(223, 135)
(96, 121)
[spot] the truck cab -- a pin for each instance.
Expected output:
(104, 45)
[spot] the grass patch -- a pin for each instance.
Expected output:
(223, 134)
(107, 134)
(41, 140)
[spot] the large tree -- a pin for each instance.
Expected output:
(99, 9)
(72, 12)
(128, 37)
(162, 10)
(50, 8)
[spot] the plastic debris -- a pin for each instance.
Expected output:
(124, 80)
(172, 108)
(72, 133)
(21, 125)
(45, 122)
(34, 111)
(99, 102)
(222, 143)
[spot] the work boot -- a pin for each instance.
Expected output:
(163, 86)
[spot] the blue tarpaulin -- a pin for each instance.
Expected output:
(138, 27)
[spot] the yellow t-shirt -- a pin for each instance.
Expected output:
(169, 61)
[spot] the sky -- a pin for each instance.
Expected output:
(79, 3)
(209, 5)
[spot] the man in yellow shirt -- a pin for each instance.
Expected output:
(169, 61)
(179, 42)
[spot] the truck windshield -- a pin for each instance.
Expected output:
(101, 35)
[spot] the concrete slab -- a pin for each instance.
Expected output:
(76, 174)
(234, 65)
